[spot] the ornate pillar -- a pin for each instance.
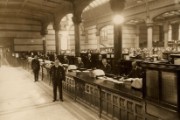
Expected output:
(56, 27)
(44, 32)
(77, 21)
(165, 29)
(149, 35)
(169, 32)
(117, 7)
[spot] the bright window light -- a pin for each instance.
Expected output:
(118, 19)
(64, 40)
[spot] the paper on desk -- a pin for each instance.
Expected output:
(110, 79)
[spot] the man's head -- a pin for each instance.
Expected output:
(79, 59)
(134, 64)
(35, 57)
(89, 55)
(104, 61)
(65, 57)
(56, 62)
(100, 57)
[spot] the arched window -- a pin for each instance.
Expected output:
(107, 36)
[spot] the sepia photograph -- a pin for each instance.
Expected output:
(89, 59)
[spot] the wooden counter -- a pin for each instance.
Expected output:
(115, 101)
(120, 101)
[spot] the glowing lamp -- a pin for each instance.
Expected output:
(118, 19)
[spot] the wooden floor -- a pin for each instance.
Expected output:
(23, 99)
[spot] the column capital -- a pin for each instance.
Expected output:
(149, 22)
(56, 27)
(44, 32)
(76, 19)
(97, 33)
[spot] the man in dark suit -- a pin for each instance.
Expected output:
(99, 62)
(88, 63)
(106, 67)
(65, 60)
(137, 71)
(79, 63)
(57, 75)
(35, 65)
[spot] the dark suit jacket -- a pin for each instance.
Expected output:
(106, 69)
(57, 74)
(88, 63)
(136, 73)
(98, 64)
(35, 65)
(80, 65)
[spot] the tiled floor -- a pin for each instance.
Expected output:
(23, 99)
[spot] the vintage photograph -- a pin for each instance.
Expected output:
(89, 59)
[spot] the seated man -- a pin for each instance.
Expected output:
(136, 71)
(65, 61)
(106, 67)
(88, 61)
(79, 63)
(99, 61)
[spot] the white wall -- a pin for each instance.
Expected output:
(130, 36)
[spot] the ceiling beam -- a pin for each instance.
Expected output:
(11, 16)
(22, 7)
(6, 3)
(12, 10)
(39, 9)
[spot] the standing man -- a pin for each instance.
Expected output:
(35, 65)
(57, 75)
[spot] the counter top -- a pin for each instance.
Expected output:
(121, 89)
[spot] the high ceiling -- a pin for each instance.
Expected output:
(41, 10)
(168, 15)
(95, 3)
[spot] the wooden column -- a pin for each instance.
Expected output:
(44, 33)
(117, 7)
(117, 42)
(57, 39)
(77, 21)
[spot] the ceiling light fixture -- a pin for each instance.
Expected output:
(118, 19)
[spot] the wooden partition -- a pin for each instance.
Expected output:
(161, 84)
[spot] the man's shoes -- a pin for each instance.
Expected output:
(54, 100)
(61, 100)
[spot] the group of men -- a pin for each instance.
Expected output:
(57, 73)
(90, 63)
